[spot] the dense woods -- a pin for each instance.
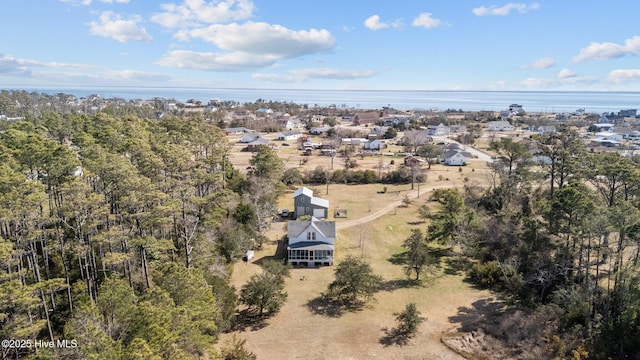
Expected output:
(559, 240)
(118, 232)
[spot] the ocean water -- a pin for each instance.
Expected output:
(532, 101)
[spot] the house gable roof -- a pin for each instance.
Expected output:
(326, 228)
(452, 153)
(303, 191)
(309, 193)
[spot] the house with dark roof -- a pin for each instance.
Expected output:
(304, 203)
(456, 157)
(255, 144)
(250, 136)
(236, 130)
(311, 242)
(368, 117)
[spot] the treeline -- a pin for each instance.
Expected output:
(119, 232)
(321, 176)
(560, 241)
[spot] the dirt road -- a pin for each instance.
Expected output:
(389, 207)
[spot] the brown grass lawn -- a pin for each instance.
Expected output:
(299, 331)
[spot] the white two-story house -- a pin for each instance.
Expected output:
(311, 242)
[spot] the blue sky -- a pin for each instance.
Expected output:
(328, 44)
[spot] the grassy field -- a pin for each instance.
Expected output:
(305, 330)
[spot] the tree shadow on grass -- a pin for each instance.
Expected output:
(249, 320)
(398, 259)
(415, 223)
(279, 255)
(325, 306)
(394, 336)
(395, 284)
(456, 265)
(481, 314)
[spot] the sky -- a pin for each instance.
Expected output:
(311, 44)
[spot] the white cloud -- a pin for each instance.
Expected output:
(194, 12)
(543, 63)
(426, 20)
(564, 78)
(112, 25)
(622, 76)
(302, 75)
(265, 39)
(373, 23)
(505, 9)
(210, 61)
(566, 74)
(135, 75)
(608, 50)
(9, 64)
(328, 73)
(57, 73)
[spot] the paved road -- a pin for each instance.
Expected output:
(380, 212)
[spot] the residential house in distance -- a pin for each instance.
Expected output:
(236, 130)
(250, 136)
(396, 121)
(319, 130)
(456, 157)
(289, 124)
(516, 109)
(607, 138)
(255, 144)
(374, 145)
(500, 126)
(354, 141)
(411, 161)
(628, 113)
(604, 119)
(634, 136)
(289, 135)
(440, 129)
(606, 127)
(264, 111)
(311, 242)
(347, 118)
(304, 203)
(368, 117)
(377, 133)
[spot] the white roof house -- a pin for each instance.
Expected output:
(456, 158)
(440, 129)
(289, 135)
(311, 242)
(374, 145)
(500, 126)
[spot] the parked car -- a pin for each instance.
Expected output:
(285, 213)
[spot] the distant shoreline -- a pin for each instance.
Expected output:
(466, 100)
